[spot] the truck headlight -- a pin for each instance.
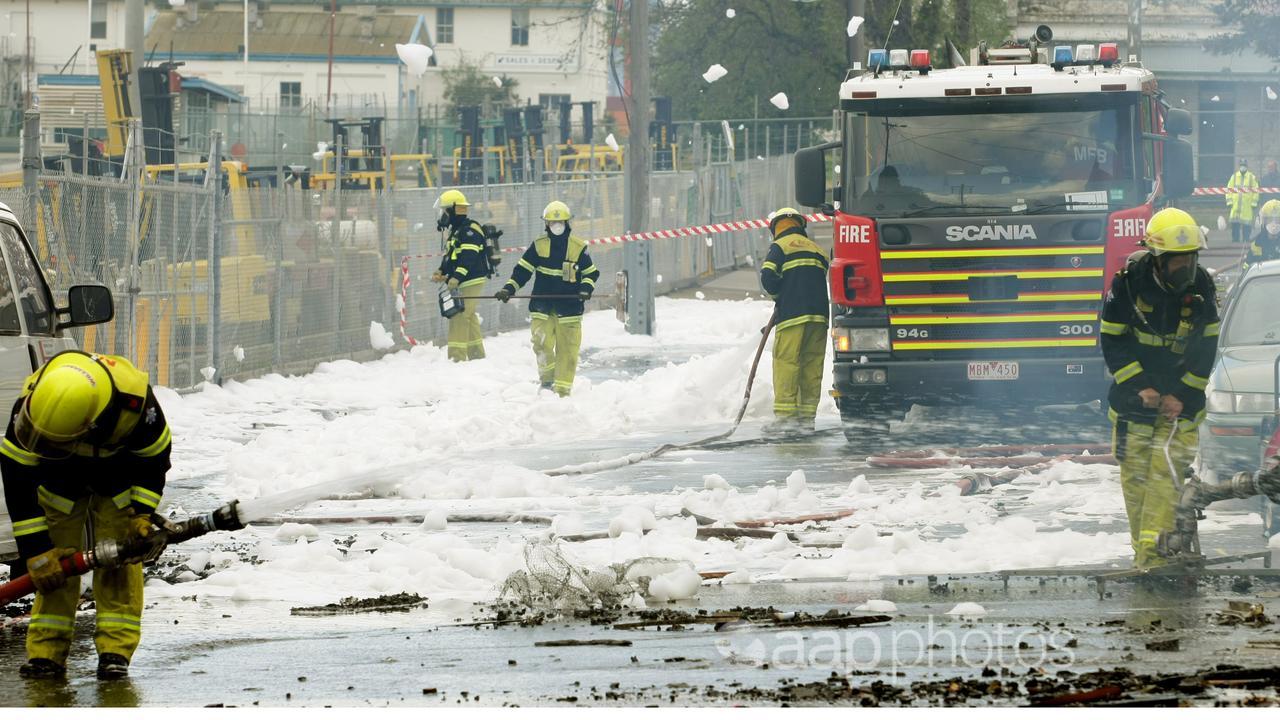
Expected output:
(860, 339)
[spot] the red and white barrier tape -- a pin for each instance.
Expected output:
(1233, 191)
(691, 231)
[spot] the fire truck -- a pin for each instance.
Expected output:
(979, 215)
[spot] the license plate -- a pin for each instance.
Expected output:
(993, 370)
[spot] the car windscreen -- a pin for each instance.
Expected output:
(975, 157)
(1253, 319)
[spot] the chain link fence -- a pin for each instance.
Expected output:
(299, 274)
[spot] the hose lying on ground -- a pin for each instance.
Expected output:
(634, 458)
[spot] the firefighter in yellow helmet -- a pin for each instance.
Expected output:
(564, 278)
(465, 265)
(1266, 244)
(794, 274)
(87, 446)
(1159, 338)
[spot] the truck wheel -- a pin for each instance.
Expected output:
(866, 426)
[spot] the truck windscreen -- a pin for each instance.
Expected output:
(921, 157)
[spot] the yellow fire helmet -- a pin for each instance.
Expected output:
(1270, 211)
(782, 213)
(64, 400)
(556, 211)
(454, 200)
(1173, 231)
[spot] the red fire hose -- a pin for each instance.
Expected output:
(109, 553)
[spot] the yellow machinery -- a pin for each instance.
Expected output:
(578, 161)
(114, 67)
(398, 168)
(499, 153)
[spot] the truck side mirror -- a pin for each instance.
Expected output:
(1177, 121)
(811, 177)
(87, 305)
(1176, 177)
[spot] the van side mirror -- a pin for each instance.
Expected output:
(1176, 177)
(811, 175)
(87, 305)
(1177, 121)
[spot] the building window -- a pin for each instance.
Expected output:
(444, 26)
(520, 26)
(98, 20)
(290, 95)
(552, 101)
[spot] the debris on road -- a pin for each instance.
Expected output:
(400, 602)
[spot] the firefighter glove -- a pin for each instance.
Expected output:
(503, 295)
(45, 569)
(437, 276)
(584, 295)
(453, 283)
(140, 527)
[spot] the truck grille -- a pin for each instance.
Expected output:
(1006, 302)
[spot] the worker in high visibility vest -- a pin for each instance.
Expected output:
(1242, 198)
(85, 452)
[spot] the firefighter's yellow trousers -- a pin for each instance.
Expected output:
(466, 339)
(556, 341)
(798, 353)
(117, 592)
(1150, 495)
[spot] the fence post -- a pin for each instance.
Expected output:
(336, 230)
(280, 198)
(30, 168)
(213, 185)
(135, 164)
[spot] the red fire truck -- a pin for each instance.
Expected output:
(980, 213)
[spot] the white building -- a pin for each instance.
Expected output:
(553, 49)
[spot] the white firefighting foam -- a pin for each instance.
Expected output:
(413, 434)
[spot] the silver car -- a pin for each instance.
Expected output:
(1241, 400)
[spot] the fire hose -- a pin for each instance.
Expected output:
(648, 455)
(113, 553)
(1184, 540)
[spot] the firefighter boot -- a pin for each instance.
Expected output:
(112, 666)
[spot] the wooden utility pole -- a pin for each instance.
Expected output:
(637, 255)
(855, 47)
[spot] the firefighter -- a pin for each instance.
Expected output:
(1159, 337)
(1266, 244)
(465, 265)
(1242, 203)
(564, 278)
(87, 446)
(794, 274)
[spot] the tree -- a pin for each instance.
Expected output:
(773, 46)
(1253, 24)
(465, 84)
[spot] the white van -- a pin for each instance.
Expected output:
(32, 327)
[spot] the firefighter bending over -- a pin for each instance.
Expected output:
(1159, 337)
(564, 278)
(87, 446)
(465, 265)
(794, 274)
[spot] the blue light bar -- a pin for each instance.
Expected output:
(1062, 54)
(878, 59)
